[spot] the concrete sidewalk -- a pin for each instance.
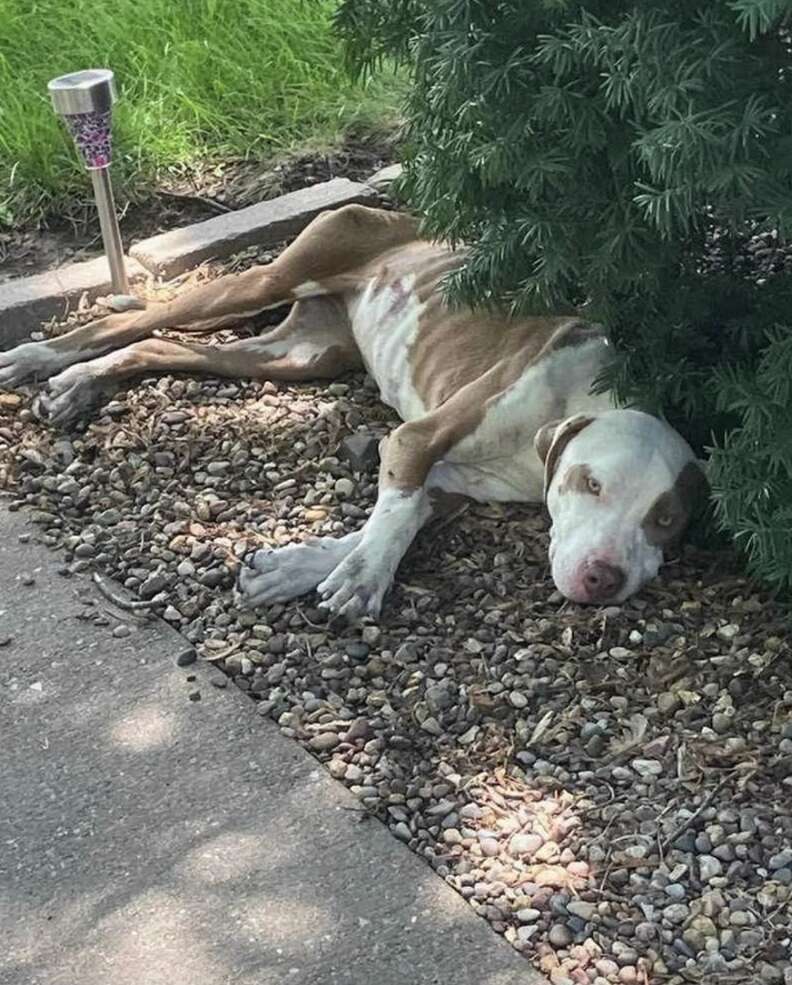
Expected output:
(150, 839)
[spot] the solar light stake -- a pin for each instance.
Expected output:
(85, 101)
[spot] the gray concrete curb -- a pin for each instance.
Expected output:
(28, 301)
(381, 180)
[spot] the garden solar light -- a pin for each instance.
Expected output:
(85, 101)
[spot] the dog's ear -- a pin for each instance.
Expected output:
(552, 438)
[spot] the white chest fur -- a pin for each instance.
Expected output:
(501, 449)
(497, 460)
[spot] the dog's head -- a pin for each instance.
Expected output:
(620, 487)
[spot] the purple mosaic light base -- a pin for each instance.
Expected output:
(92, 134)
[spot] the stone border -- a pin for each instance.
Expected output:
(26, 302)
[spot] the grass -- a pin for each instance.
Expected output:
(199, 79)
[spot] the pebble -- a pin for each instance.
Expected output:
(186, 657)
(668, 703)
(781, 860)
(361, 450)
(357, 650)
(698, 931)
(441, 808)
(647, 768)
(722, 723)
(525, 844)
(353, 774)
(710, 867)
(323, 742)
(153, 585)
(676, 913)
(121, 632)
(402, 831)
(344, 487)
(109, 518)
(560, 935)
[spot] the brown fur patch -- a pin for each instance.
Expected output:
(677, 505)
(577, 479)
(561, 435)
(470, 345)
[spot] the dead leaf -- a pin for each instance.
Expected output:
(541, 727)
(632, 736)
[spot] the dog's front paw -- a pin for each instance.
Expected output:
(69, 395)
(279, 574)
(356, 588)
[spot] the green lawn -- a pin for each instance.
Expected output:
(199, 79)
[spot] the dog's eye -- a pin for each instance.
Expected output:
(665, 520)
(593, 486)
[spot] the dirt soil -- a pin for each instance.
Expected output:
(610, 788)
(182, 199)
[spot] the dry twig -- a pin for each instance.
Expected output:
(122, 603)
(679, 831)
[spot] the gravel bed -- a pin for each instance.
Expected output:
(610, 788)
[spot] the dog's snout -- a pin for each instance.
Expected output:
(602, 580)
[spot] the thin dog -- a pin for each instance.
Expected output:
(494, 409)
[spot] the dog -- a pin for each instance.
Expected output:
(494, 409)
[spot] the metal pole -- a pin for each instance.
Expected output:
(111, 234)
(84, 100)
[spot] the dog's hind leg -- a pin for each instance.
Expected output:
(320, 261)
(313, 342)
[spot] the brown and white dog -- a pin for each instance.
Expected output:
(493, 409)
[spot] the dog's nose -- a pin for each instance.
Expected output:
(603, 580)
